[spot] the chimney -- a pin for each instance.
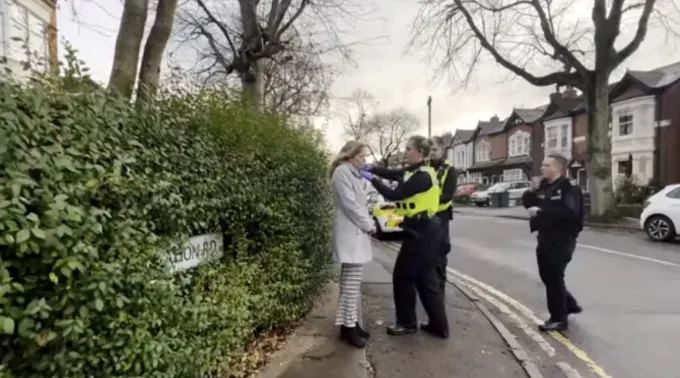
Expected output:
(495, 119)
(570, 92)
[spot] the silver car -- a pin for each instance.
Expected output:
(515, 190)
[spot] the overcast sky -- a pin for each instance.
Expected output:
(396, 79)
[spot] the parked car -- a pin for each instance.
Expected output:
(515, 190)
(660, 217)
(469, 188)
(384, 216)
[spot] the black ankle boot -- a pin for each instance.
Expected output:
(351, 336)
(362, 332)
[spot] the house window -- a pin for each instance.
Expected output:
(27, 35)
(513, 174)
(483, 151)
(625, 123)
(564, 136)
(520, 144)
(557, 138)
(622, 167)
(552, 137)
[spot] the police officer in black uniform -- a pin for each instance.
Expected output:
(556, 210)
(446, 176)
(415, 267)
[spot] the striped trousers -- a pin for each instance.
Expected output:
(350, 289)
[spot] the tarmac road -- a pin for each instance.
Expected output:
(628, 286)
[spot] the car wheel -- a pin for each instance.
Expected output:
(379, 234)
(659, 228)
(480, 204)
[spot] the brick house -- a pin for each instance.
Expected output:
(489, 151)
(519, 129)
(563, 129)
(646, 125)
(461, 153)
(28, 34)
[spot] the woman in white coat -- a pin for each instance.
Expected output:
(352, 227)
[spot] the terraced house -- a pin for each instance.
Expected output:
(28, 35)
(645, 134)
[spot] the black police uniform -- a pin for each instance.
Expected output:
(448, 187)
(558, 223)
(415, 268)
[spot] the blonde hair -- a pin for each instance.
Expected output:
(348, 151)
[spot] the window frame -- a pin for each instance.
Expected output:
(628, 124)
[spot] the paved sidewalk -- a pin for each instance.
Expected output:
(474, 349)
(314, 351)
(519, 212)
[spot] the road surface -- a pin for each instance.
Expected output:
(629, 289)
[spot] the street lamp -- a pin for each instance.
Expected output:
(429, 116)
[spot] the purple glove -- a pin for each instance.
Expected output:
(367, 167)
(367, 175)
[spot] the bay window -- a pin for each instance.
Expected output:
(558, 137)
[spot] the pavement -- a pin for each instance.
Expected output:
(314, 351)
(519, 212)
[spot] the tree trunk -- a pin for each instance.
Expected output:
(149, 74)
(128, 42)
(253, 85)
(598, 163)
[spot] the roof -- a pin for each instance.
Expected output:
(530, 115)
(463, 136)
(658, 77)
(492, 126)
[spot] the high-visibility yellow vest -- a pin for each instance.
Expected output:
(444, 206)
(423, 202)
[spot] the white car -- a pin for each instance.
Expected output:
(515, 190)
(660, 216)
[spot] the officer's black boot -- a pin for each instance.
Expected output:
(362, 332)
(399, 330)
(553, 325)
(351, 336)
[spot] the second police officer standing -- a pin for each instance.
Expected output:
(446, 177)
(417, 199)
(556, 210)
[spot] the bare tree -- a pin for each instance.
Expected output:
(128, 43)
(297, 85)
(358, 111)
(543, 42)
(154, 50)
(241, 37)
(383, 133)
(388, 133)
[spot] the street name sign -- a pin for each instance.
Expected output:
(198, 250)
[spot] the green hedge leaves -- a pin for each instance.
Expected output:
(94, 191)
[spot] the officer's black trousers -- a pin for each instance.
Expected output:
(553, 256)
(444, 249)
(416, 270)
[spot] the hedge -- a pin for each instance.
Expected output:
(95, 191)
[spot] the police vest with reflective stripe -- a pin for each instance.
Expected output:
(423, 202)
(442, 179)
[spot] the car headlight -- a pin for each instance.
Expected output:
(647, 203)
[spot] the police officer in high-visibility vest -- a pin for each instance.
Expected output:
(417, 199)
(446, 176)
